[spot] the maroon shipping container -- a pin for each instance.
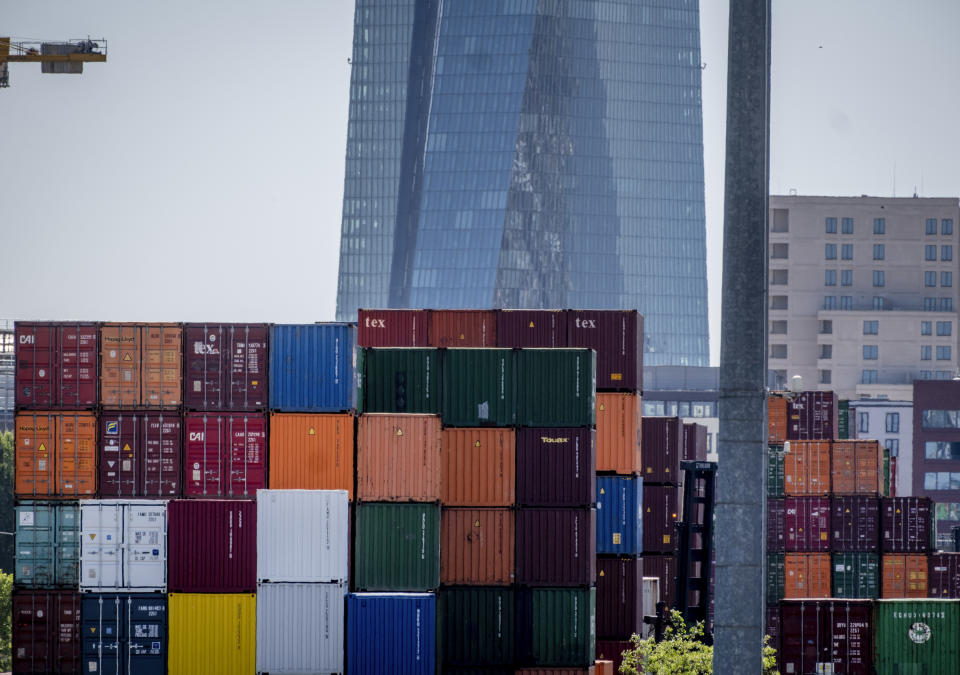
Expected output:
(819, 636)
(212, 546)
(617, 338)
(776, 525)
(556, 547)
(612, 650)
(56, 365)
(555, 467)
(619, 597)
(855, 524)
(812, 416)
(943, 580)
(773, 628)
(664, 567)
(660, 512)
(905, 524)
(531, 328)
(662, 447)
(807, 522)
(46, 632)
(225, 366)
(694, 442)
(393, 328)
(225, 455)
(463, 328)
(140, 454)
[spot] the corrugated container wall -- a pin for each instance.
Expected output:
(619, 515)
(806, 468)
(812, 415)
(556, 388)
(399, 381)
(617, 338)
(123, 545)
(476, 626)
(310, 451)
(78, 368)
(618, 433)
(556, 547)
(856, 575)
(56, 455)
(855, 523)
(212, 633)
(556, 626)
(478, 467)
(479, 387)
(477, 546)
(807, 575)
(225, 455)
(398, 458)
(47, 545)
(35, 455)
(300, 628)
(46, 632)
(905, 524)
(660, 512)
(944, 575)
(225, 366)
(662, 449)
(397, 547)
(807, 521)
(56, 365)
(916, 636)
(162, 366)
(776, 420)
(695, 442)
(857, 468)
(826, 637)
(775, 477)
(463, 328)
(776, 525)
(312, 367)
(613, 650)
(124, 633)
(664, 567)
(775, 577)
(213, 546)
(140, 454)
(619, 597)
(904, 575)
(528, 328)
(76, 455)
(401, 625)
(120, 365)
(555, 466)
(393, 327)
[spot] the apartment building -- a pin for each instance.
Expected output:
(936, 451)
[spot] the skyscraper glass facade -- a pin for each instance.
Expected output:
(529, 153)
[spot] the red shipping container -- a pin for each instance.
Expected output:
(56, 365)
(556, 547)
(694, 442)
(776, 525)
(79, 366)
(660, 512)
(807, 522)
(531, 328)
(225, 366)
(612, 650)
(662, 449)
(812, 416)
(212, 546)
(555, 467)
(619, 597)
(906, 524)
(393, 328)
(773, 628)
(944, 575)
(140, 454)
(664, 567)
(46, 632)
(463, 328)
(820, 636)
(855, 524)
(225, 455)
(617, 338)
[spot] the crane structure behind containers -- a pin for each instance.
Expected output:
(54, 57)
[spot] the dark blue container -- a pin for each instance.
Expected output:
(313, 367)
(619, 515)
(124, 633)
(391, 633)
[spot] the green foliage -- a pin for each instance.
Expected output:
(6, 619)
(7, 516)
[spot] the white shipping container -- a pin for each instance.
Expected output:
(302, 535)
(651, 595)
(300, 628)
(123, 545)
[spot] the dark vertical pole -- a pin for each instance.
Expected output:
(741, 479)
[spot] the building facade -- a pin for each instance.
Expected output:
(7, 374)
(891, 423)
(529, 154)
(936, 451)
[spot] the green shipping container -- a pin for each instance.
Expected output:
(556, 387)
(916, 637)
(556, 626)
(399, 381)
(476, 626)
(479, 387)
(843, 420)
(775, 471)
(47, 545)
(397, 547)
(776, 578)
(887, 488)
(855, 575)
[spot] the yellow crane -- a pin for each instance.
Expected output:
(54, 57)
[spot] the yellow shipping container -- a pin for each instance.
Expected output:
(213, 633)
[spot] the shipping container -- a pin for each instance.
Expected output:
(613, 650)
(855, 523)
(479, 387)
(618, 433)
(807, 521)
(56, 365)
(213, 546)
(401, 626)
(162, 374)
(772, 626)
(123, 545)
(399, 381)
(664, 567)
(120, 365)
(476, 627)
(556, 626)
(393, 328)
(812, 416)
(906, 524)
(313, 367)
(310, 451)
(302, 536)
(601, 668)
(56, 455)
(660, 512)
(47, 545)
(694, 442)
(776, 525)
(225, 455)
(124, 633)
(213, 633)
(397, 547)
(775, 478)
(916, 636)
(78, 368)
(776, 420)
(556, 388)
(806, 575)
(620, 586)
(857, 468)
(826, 636)
(35, 454)
(141, 365)
(140, 454)
(944, 575)
(617, 338)
(398, 458)
(46, 632)
(904, 575)
(530, 328)
(555, 466)
(477, 546)
(300, 628)
(463, 328)
(556, 547)
(478, 467)
(843, 420)
(775, 577)
(619, 515)
(856, 575)
(806, 468)
(662, 449)
(76, 454)
(225, 366)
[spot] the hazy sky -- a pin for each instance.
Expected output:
(198, 174)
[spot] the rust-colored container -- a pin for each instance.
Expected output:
(526, 328)
(556, 547)
(212, 546)
(463, 328)
(477, 547)
(120, 346)
(398, 458)
(56, 455)
(857, 468)
(162, 382)
(479, 467)
(311, 451)
(904, 575)
(806, 469)
(776, 420)
(807, 575)
(618, 433)
(140, 454)
(76, 455)
(140, 365)
(225, 455)
(662, 449)
(393, 327)
(35, 454)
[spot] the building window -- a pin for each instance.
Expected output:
(926, 352)
(946, 252)
(942, 449)
(879, 278)
(943, 375)
(863, 423)
(879, 251)
(893, 423)
(946, 304)
(931, 225)
(871, 352)
(929, 278)
(778, 351)
(830, 277)
(926, 374)
(846, 302)
(944, 352)
(778, 302)
(778, 277)
(940, 419)
(930, 304)
(846, 225)
(871, 327)
(878, 302)
(879, 226)
(780, 377)
(944, 328)
(846, 251)
(868, 377)
(826, 327)
(946, 226)
(926, 328)
(829, 302)
(941, 480)
(893, 445)
(831, 225)
(780, 251)
(778, 327)
(931, 252)
(780, 221)
(946, 279)
(826, 352)
(825, 376)
(846, 277)
(830, 251)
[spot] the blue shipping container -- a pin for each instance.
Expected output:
(124, 633)
(619, 515)
(313, 367)
(47, 545)
(391, 633)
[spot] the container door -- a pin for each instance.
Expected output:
(77, 454)
(100, 549)
(145, 543)
(78, 366)
(120, 456)
(161, 365)
(245, 384)
(146, 635)
(35, 545)
(205, 455)
(68, 545)
(36, 365)
(101, 634)
(247, 459)
(35, 453)
(160, 456)
(120, 365)
(204, 351)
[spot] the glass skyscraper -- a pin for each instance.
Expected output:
(529, 154)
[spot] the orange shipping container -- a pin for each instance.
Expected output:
(477, 546)
(120, 364)
(604, 668)
(398, 458)
(857, 468)
(776, 420)
(35, 450)
(76, 458)
(162, 354)
(806, 468)
(140, 365)
(479, 467)
(904, 576)
(311, 452)
(56, 455)
(618, 433)
(807, 575)
(463, 328)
